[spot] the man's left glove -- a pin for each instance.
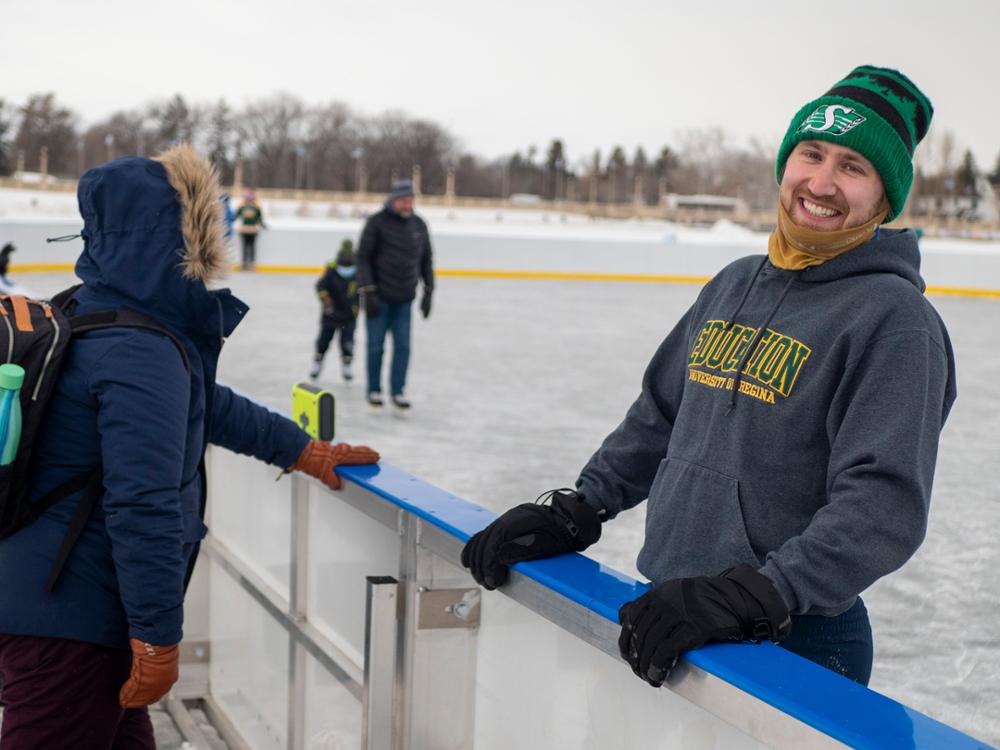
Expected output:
(685, 613)
(319, 459)
(425, 303)
(154, 671)
(530, 531)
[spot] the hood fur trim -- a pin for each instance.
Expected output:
(206, 257)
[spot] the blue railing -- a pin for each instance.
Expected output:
(817, 697)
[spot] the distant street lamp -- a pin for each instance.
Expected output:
(140, 146)
(356, 154)
(449, 181)
(300, 153)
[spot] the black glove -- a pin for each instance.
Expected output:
(369, 298)
(425, 303)
(530, 531)
(685, 613)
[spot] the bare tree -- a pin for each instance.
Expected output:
(477, 178)
(617, 173)
(332, 134)
(46, 124)
(219, 137)
(269, 132)
(6, 148)
(525, 174)
(555, 168)
(172, 121)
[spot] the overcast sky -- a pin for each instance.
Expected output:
(504, 75)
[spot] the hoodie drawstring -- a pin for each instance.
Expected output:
(758, 335)
(746, 293)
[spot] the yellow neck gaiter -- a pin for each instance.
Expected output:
(793, 247)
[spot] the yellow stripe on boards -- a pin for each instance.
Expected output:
(316, 270)
(957, 291)
(16, 268)
(477, 273)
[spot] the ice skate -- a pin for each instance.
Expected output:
(345, 371)
(400, 403)
(317, 368)
(375, 401)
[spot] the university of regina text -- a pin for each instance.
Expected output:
(774, 364)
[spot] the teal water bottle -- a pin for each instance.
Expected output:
(11, 378)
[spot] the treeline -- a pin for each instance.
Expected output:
(282, 142)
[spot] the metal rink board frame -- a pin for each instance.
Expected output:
(541, 670)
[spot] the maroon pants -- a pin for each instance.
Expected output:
(64, 694)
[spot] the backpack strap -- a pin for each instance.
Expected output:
(62, 299)
(58, 493)
(124, 318)
(115, 318)
(93, 484)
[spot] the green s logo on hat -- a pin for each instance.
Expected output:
(834, 119)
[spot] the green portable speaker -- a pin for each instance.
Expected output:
(313, 410)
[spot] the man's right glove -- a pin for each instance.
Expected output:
(154, 671)
(530, 531)
(319, 459)
(371, 302)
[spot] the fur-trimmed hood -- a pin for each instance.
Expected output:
(154, 238)
(202, 213)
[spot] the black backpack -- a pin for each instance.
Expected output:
(35, 334)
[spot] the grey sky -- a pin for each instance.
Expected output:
(502, 76)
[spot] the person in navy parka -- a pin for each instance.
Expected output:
(79, 664)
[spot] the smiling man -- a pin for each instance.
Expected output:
(786, 433)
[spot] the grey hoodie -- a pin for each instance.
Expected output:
(815, 465)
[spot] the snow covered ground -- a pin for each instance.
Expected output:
(516, 382)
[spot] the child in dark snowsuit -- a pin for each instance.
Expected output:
(338, 293)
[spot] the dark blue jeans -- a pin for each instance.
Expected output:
(842, 643)
(394, 318)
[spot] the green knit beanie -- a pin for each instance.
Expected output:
(879, 113)
(345, 256)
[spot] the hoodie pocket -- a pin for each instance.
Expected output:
(694, 523)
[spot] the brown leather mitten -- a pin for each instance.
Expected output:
(154, 671)
(319, 458)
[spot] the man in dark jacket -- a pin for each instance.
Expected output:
(80, 663)
(337, 289)
(395, 253)
(787, 429)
